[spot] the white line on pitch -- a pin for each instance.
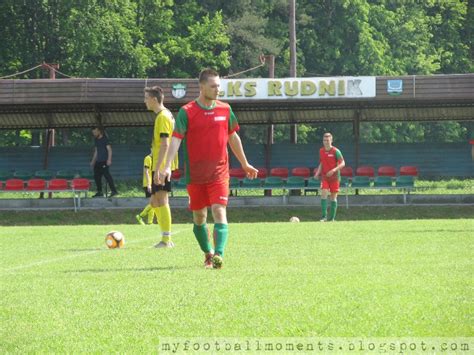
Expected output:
(47, 261)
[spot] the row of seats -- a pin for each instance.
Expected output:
(76, 184)
(300, 182)
(45, 174)
(347, 171)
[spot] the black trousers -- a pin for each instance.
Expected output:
(101, 169)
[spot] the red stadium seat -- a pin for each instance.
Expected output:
(409, 170)
(365, 171)
(177, 174)
(347, 172)
(262, 173)
(387, 171)
(81, 184)
(279, 172)
(14, 185)
(303, 172)
(36, 185)
(58, 184)
(239, 173)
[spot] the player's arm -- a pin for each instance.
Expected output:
(165, 173)
(180, 129)
(236, 146)
(94, 157)
(164, 145)
(109, 154)
(340, 164)
(146, 172)
(318, 171)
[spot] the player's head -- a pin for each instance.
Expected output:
(153, 97)
(209, 84)
(97, 131)
(327, 140)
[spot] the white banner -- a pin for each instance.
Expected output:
(298, 88)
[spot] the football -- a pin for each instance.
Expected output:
(114, 240)
(294, 219)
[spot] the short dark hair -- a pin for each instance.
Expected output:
(206, 73)
(155, 91)
(327, 134)
(99, 128)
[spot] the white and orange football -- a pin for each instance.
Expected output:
(115, 239)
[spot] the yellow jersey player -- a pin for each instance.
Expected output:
(148, 211)
(162, 131)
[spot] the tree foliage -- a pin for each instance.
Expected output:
(176, 38)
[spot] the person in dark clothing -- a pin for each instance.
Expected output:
(101, 161)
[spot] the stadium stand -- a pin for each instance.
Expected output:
(300, 171)
(22, 175)
(76, 187)
(279, 172)
(365, 171)
(387, 170)
(408, 171)
(262, 173)
(36, 185)
(44, 174)
(14, 185)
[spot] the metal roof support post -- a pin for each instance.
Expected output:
(270, 59)
(356, 130)
(292, 25)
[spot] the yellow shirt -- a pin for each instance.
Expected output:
(147, 165)
(164, 125)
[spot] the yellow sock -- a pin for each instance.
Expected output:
(146, 210)
(151, 215)
(164, 220)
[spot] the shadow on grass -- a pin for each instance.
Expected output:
(148, 269)
(238, 215)
(81, 250)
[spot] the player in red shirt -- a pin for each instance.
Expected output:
(205, 126)
(330, 164)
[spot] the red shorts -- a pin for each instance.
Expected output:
(205, 195)
(332, 186)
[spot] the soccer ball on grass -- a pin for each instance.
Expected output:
(114, 239)
(294, 219)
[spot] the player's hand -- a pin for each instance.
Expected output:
(149, 188)
(164, 175)
(250, 171)
(109, 162)
(316, 174)
(330, 173)
(92, 164)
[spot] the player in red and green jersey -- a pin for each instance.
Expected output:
(330, 164)
(206, 126)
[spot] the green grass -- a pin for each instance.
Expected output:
(63, 291)
(242, 215)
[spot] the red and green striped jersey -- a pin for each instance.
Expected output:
(205, 132)
(329, 159)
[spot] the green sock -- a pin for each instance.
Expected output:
(145, 211)
(324, 207)
(333, 210)
(221, 233)
(202, 236)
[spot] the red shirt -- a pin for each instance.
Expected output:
(329, 159)
(205, 132)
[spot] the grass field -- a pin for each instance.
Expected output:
(62, 290)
